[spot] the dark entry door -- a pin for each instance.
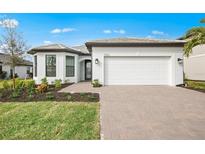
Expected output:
(88, 70)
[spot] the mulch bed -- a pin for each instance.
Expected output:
(191, 88)
(52, 95)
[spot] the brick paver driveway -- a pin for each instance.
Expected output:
(149, 112)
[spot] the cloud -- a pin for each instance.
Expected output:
(107, 31)
(120, 31)
(63, 30)
(9, 23)
(149, 36)
(157, 32)
(56, 30)
(47, 42)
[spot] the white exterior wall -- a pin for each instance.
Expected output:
(194, 64)
(82, 70)
(20, 70)
(6, 68)
(176, 74)
(60, 67)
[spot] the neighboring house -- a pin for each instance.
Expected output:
(22, 69)
(119, 61)
(194, 65)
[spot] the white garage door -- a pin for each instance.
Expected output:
(137, 70)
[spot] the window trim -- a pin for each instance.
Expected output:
(46, 66)
(71, 66)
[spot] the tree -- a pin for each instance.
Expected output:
(12, 43)
(194, 37)
(202, 20)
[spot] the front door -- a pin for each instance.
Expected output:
(88, 70)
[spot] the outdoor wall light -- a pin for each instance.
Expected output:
(180, 61)
(96, 61)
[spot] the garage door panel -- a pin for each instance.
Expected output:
(137, 70)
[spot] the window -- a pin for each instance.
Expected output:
(50, 65)
(28, 70)
(35, 63)
(70, 66)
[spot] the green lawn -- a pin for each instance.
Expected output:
(49, 120)
(195, 84)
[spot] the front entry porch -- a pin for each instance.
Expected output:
(85, 70)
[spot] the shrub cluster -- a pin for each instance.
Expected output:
(96, 83)
(43, 87)
(58, 83)
(22, 87)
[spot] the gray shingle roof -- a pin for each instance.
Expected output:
(82, 48)
(134, 40)
(50, 46)
(112, 42)
(55, 48)
(5, 59)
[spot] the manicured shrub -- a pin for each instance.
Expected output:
(69, 97)
(42, 88)
(83, 94)
(6, 85)
(19, 86)
(20, 83)
(96, 83)
(92, 97)
(15, 93)
(30, 85)
(58, 83)
(49, 96)
(44, 81)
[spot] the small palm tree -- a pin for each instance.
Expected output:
(194, 37)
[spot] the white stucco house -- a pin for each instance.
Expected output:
(116, 61)
(195, 63)
(22, 69)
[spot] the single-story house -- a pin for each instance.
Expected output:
(116, 61)
(195, 63)
(23, 68)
